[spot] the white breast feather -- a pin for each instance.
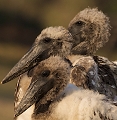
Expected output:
(84, 105)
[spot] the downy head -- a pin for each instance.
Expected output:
(49, 78)
(90, 29)
(51, 41)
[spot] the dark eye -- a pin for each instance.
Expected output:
(79, 23)
(45, 73)
(47, 40)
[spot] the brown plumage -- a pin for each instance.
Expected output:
(90, 29)
(49, 78)
(59, 41)
(51, 41)
(85, 73)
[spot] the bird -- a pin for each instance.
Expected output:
(91, 30)
(34, 59)
(105, 71)
(49, 99)
(51, 41)
(25, 79)
(37, 54)
(54, 65)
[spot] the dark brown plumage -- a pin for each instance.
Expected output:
(58, 40)
(61, 44)
(44, 93)
(90, 29)
(50, 77)
(51, 41)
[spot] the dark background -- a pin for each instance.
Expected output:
(20, 23)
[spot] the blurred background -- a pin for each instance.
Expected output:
(22, 20)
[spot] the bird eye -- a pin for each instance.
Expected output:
(45, 73)
(79, 23)
(47, 40)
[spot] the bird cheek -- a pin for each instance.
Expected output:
(59, 44)
(92, 28)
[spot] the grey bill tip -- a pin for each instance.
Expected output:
(28, 61)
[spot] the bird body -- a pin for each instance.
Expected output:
(88, 74)
(85, 105)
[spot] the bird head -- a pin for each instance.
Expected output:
(90, 29)
(49, 78)
(51, 41)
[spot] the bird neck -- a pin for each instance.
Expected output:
(84, 48)
(44, 107)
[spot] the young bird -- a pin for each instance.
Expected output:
(58, 41)
(51, 41)
(90, 28)
(51, 102)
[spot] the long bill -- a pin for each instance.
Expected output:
(36, 91)
(28, 61)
